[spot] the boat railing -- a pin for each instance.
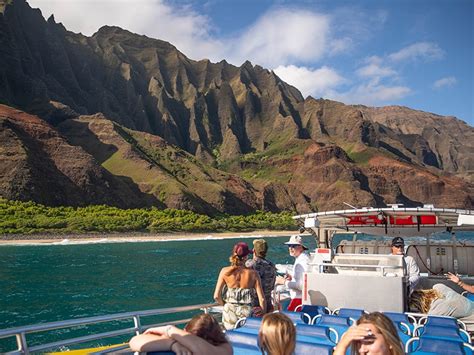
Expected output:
(21, 332)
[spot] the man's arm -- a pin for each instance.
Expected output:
(413, 272)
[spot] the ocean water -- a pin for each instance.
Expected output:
(45, 283)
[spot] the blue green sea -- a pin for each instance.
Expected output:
(44, 283)
(50, 282)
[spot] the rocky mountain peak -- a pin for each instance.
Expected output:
(219, 119)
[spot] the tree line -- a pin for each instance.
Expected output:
(17, 217)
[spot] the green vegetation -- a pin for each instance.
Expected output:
(265, 165)
(31, 218)
(360, 157)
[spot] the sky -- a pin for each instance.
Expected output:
(415, 53)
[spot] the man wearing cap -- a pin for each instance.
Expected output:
(413, 271)
(265, 268)
(294, 280)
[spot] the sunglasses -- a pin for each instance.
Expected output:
(398, 246)
(293, 245)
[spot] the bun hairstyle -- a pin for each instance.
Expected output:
(239, 254)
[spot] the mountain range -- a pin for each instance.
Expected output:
(126, 120)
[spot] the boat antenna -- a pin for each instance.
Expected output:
(349, 205)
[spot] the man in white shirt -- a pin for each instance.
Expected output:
(294, 280)
(413, 271)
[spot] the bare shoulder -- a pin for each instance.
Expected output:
(225, 269)
(251, 273)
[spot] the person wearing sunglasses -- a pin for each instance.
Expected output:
(294, 279)
(413, 271)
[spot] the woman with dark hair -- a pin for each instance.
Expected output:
(201, 336)
(243, 288)
(373, 334)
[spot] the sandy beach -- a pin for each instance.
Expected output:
(130, 237)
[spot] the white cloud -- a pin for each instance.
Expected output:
(445, 82)
(281, 36)
(375, 69)
(305, 36)
(372, 94)
(420, 50)
(315, 82)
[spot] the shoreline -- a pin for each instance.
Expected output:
(135, 237)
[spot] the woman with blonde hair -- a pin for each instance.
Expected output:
(442, 301)
(243, 288)
(201, 336)
(373, 334)
(277, 335)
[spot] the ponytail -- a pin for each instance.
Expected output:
(236, 260)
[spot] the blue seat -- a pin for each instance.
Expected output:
(305, 348)
(316, 334)
(402, 321)
(247, 344)
(441, 332)
(424, 345)
(248, 325)
(468, 295)
(404, 337)
(243, 343)
(296, 317)
(339, 324)
(353, 313)
(310, 311)
(442, 321)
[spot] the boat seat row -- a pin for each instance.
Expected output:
(425, 345)
(305, 332)
(247, 344)
(441, 332)
(446, 328)
(436, 335)
(328, 329)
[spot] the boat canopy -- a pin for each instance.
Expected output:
(391, 221)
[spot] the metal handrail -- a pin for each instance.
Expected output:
(20, 332)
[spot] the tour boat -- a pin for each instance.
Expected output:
(357, 273)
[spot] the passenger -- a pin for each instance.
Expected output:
(294, 280)
(266, 270)
(460, 283)
(201, 336)
(277, 335)
(243, 288)
(413, 271)
(442, 301)
(373, 333)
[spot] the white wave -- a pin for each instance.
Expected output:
(159, 239)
